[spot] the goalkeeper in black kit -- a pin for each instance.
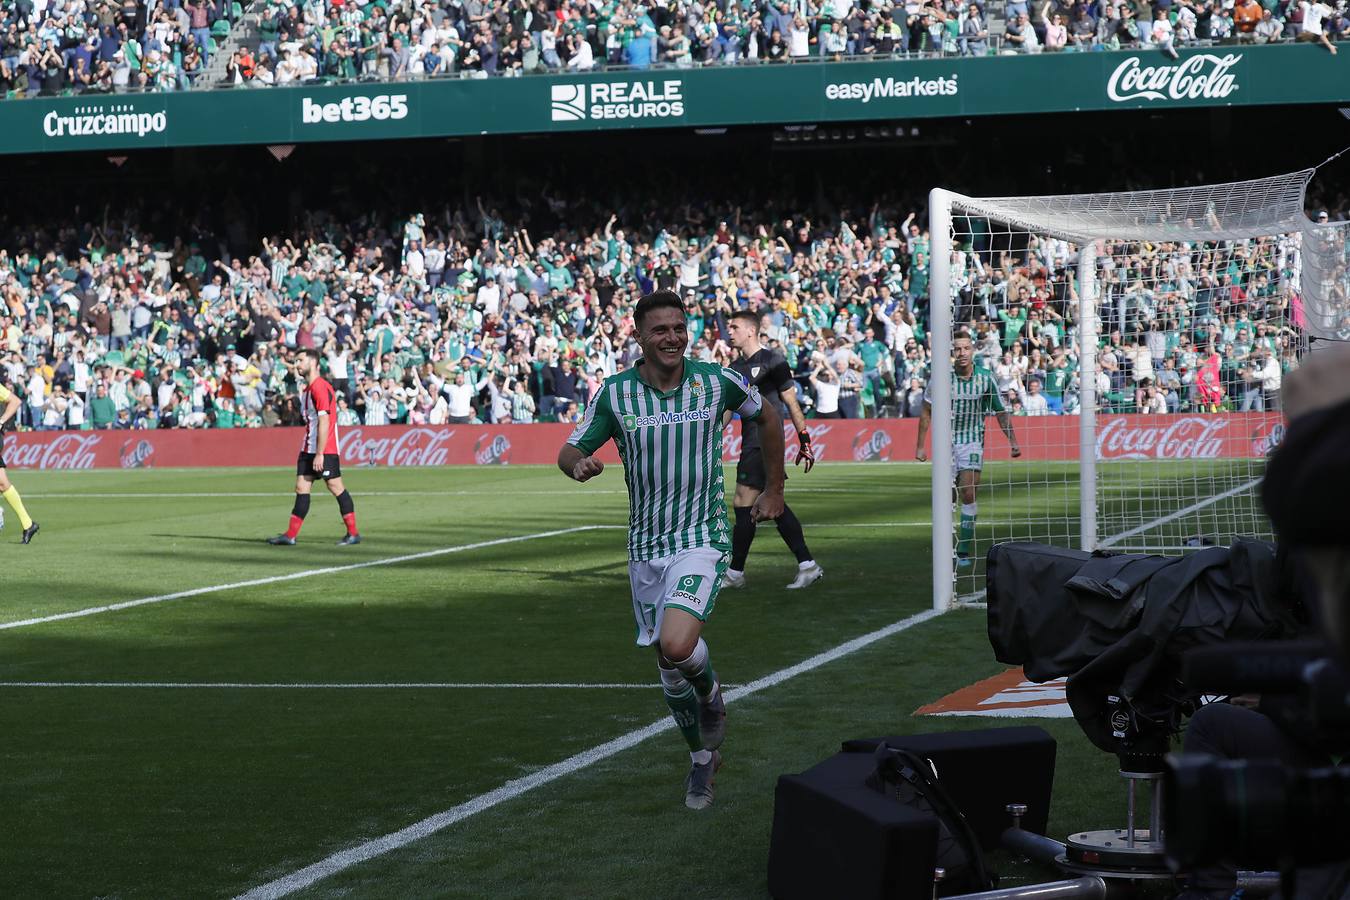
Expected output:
(768, 371)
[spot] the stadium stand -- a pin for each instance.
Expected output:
(77, 46)
(513, 309)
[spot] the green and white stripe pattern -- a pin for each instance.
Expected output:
(974, 398)
(671, 447)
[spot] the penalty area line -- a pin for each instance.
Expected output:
(296, 576)
(395, 840)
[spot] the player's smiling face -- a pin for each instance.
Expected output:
(663, 337)
(963, 355)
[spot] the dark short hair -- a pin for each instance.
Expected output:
(312, 354)
(746, 314)
(656, 300)
(962, 334)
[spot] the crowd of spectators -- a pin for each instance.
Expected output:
(465, 316)
(1185, 326)
(78, 46)
(478, 38)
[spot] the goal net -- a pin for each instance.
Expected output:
(1131, 348)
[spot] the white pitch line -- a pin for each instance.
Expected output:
(971, 600)
(352, 856)
(167, 495)
(294, 576)
(1171, 517)
(332, 686)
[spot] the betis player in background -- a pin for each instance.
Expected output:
(665, 415)
(7, 490)
(974, 397)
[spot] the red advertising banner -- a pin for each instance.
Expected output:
(1218, 436)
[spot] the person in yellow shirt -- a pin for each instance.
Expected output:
(8, 490)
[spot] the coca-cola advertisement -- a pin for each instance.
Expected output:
(1118, 437)
(137, 454)
(54, 450)
(876, 446)
(395, 446)
(492, 450)
(1186, 436)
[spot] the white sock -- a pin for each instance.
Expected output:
(735, 571)
(700, 757)
(809, 564)
(970, 509)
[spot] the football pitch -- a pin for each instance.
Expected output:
(453, 708)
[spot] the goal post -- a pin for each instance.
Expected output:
(1137, 341)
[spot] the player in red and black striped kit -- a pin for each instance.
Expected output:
(319, 455)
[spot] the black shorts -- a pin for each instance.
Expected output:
(332, 466)
(750, 469)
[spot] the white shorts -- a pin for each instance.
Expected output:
(689, 580)
(967, 457)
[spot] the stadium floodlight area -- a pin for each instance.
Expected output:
(1165, 267)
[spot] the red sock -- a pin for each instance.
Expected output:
(296, 522)
(350, 519)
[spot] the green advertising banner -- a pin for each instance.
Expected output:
(704, 97)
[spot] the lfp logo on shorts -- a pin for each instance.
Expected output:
(589, 100)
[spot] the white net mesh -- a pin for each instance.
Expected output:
(1202, 300)
(1325, 304)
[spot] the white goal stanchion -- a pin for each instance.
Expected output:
(1137, 341)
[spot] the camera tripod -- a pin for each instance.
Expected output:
(1109, 861)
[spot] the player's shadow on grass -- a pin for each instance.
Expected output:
(214, 537)
(588, 574)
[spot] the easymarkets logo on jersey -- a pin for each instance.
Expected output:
(633, 423)
(893, 88)
(104, 118)
(617, 100)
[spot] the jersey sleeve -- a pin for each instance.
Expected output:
(4, 394)
(740, 396)
(597, 426)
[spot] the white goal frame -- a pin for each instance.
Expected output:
(1241, 210)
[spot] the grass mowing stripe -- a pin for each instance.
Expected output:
(294, 576)
(345, 859)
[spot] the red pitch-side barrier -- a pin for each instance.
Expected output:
(1218, 436)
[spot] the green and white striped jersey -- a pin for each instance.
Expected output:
(974, 398)
(671, 447)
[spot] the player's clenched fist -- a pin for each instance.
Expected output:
(586, 468)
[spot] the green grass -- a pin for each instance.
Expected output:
(122, 792)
